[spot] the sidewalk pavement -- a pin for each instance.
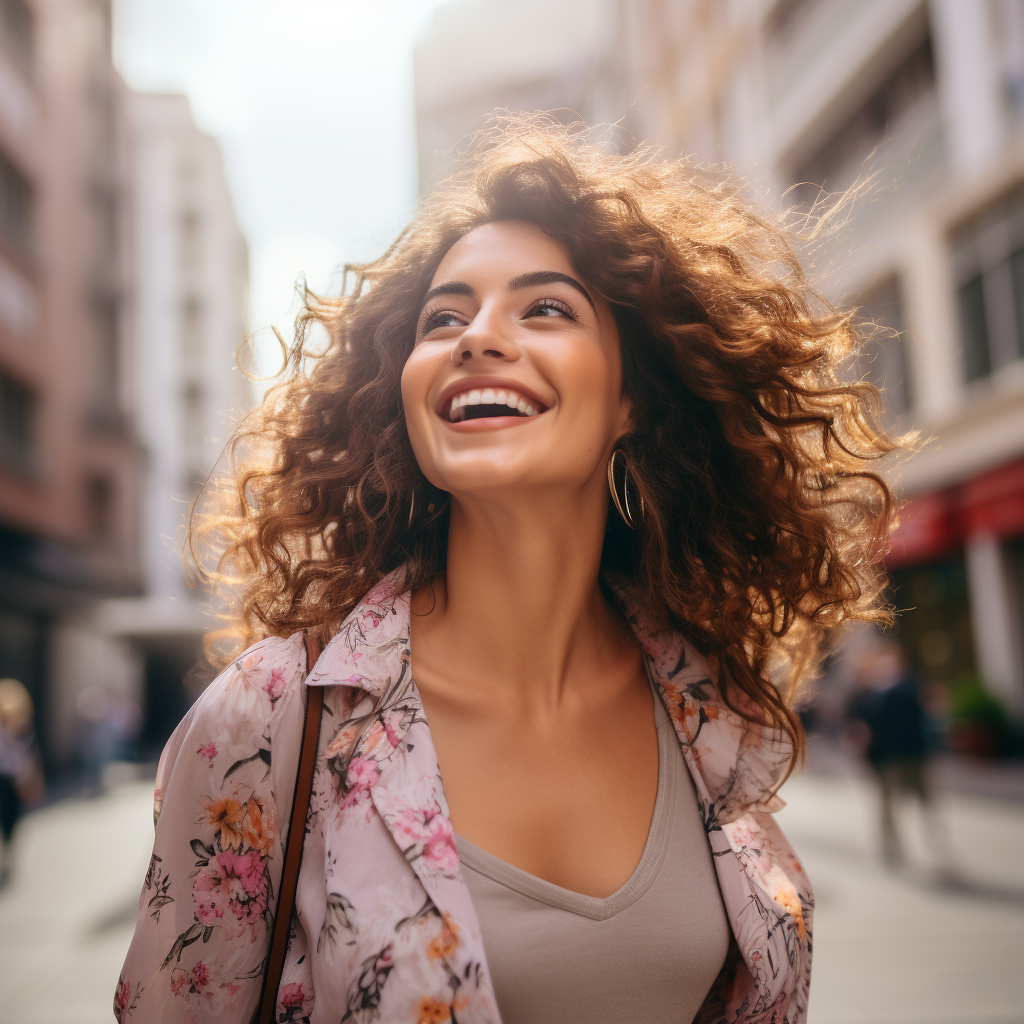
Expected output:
(920, 946)
(937, 942)
(67, 915)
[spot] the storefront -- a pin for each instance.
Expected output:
(957, 565)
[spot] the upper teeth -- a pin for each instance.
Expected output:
(489, 396)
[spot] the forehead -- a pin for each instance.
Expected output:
(500, 251)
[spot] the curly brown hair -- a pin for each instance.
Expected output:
(765, 522)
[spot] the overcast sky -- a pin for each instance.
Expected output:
(312, 103)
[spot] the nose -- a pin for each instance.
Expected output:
(488, 337)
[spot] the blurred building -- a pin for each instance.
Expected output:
(928, 95)
(530, 55)
(123, 285)
(190, 278)
(69, 460)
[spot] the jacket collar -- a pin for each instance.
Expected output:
(739, 763)
(366, 652)
(736, 763)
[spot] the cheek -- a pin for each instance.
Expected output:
(592, 385)
(417, 376)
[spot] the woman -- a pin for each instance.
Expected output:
(575, 493)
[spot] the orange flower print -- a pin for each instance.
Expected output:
(432, 1011)
(443, 945)
(249, 666)
(226, 816)
(259, 827)
(371, 739)
(791, 902)
(341, 742)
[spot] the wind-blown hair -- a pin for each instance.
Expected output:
(765, 521)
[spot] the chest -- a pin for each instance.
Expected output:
(582, 955)
(569, 800)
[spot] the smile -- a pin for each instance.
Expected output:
(481, 403)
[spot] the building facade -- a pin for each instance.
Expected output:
(190, 278)
(69, 458)
(504, 62)
(925, 97)
(123, 290)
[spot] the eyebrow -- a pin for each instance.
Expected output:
(516, 284)
(549, 277)
(449, 288)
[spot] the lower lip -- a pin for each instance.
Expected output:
(488, 423)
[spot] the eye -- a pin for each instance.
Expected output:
(546, 308)
(433, 320)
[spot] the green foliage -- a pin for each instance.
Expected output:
(971, 701)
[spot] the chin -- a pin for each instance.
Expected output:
(484, 481)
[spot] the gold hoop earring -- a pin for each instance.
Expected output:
(432, 510)
(622, 505)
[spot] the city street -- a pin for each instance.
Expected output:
(918, 947)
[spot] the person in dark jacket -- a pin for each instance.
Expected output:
(893, 736)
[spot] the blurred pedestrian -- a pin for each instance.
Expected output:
(891, 732)
(21, 779)
(109, 724)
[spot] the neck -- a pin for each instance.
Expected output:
(520, 602)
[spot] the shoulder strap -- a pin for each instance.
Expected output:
(294, 842)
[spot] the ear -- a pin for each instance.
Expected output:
(625, 420)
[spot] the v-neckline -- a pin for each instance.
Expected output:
(598, 908)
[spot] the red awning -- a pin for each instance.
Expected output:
(994, 502)
(926, 531)
(933, 525)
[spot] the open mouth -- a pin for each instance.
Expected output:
(481, 403)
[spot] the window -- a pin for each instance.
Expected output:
(787, 15)
(192, 328)
(988, 263)
(16, 19)
(16, 408)
(192, 482)
(882, 359)
(105, 216)
(108, 355)
(977, 362)
(99, 507)
(15, 207)
(893, 111)
(1008, 36)
(190, 240)
(193, 400)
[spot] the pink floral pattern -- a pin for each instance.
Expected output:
(231, 891)
(428, 834)
(384, 927)
(208, 753)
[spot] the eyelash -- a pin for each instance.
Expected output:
(427, 321)
(562, 307)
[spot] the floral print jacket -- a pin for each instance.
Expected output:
(384, 928)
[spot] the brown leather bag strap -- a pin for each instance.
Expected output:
(294, 842)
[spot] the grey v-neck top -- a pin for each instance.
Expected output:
(649, 952)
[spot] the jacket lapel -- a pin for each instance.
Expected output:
(391, 746)
(736, 766)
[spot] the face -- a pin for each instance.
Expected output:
(515, 381)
